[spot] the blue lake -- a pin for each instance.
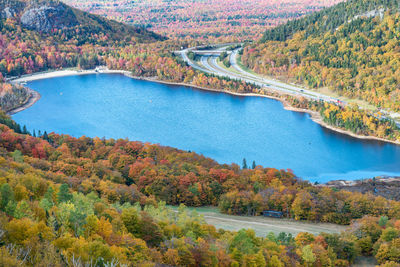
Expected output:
(221, 126)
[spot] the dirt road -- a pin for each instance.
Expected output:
(263, 225)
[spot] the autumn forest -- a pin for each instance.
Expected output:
(68, 201)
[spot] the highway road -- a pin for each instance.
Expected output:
(209, 64)
(273, 83)
(212, 66)
(184, 54)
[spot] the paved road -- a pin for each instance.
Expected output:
(190, 62)
(210, 65)
(273, 83)
(184, 54)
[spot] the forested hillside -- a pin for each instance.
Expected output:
(57, 18)
(140, 171)
(351, 48)
(68, 202)
(26, 50)
(210, 20)
(41, 35)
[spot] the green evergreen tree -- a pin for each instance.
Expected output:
(24, 130)
(383, 221)
(10, 208)
(7, 195)
(47, 202)
(64, 195)
(45, 136)
(244, 164)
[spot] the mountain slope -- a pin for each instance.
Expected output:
(94, 202)
(330, 18)
(42, 35)
(352, 49)
(52, 16)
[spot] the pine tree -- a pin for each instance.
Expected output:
(45, 136)
(10, 208)
(47, 202)
(7, 195)
(64, 195)
(244, 165)
(18, 129)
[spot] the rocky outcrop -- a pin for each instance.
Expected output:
(45, 18)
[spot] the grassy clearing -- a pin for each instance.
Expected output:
(262, 225)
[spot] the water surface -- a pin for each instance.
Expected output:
(224, 127)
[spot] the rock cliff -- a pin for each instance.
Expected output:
(46, 17)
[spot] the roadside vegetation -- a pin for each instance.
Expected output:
(350, 48)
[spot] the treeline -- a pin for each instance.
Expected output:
(354, 56)
(73, 202)
(25, 52)
(350, 118)
(12, 96)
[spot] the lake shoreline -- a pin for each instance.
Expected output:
(314, 116)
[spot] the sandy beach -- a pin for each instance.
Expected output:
(35, 96)
(61, 73)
